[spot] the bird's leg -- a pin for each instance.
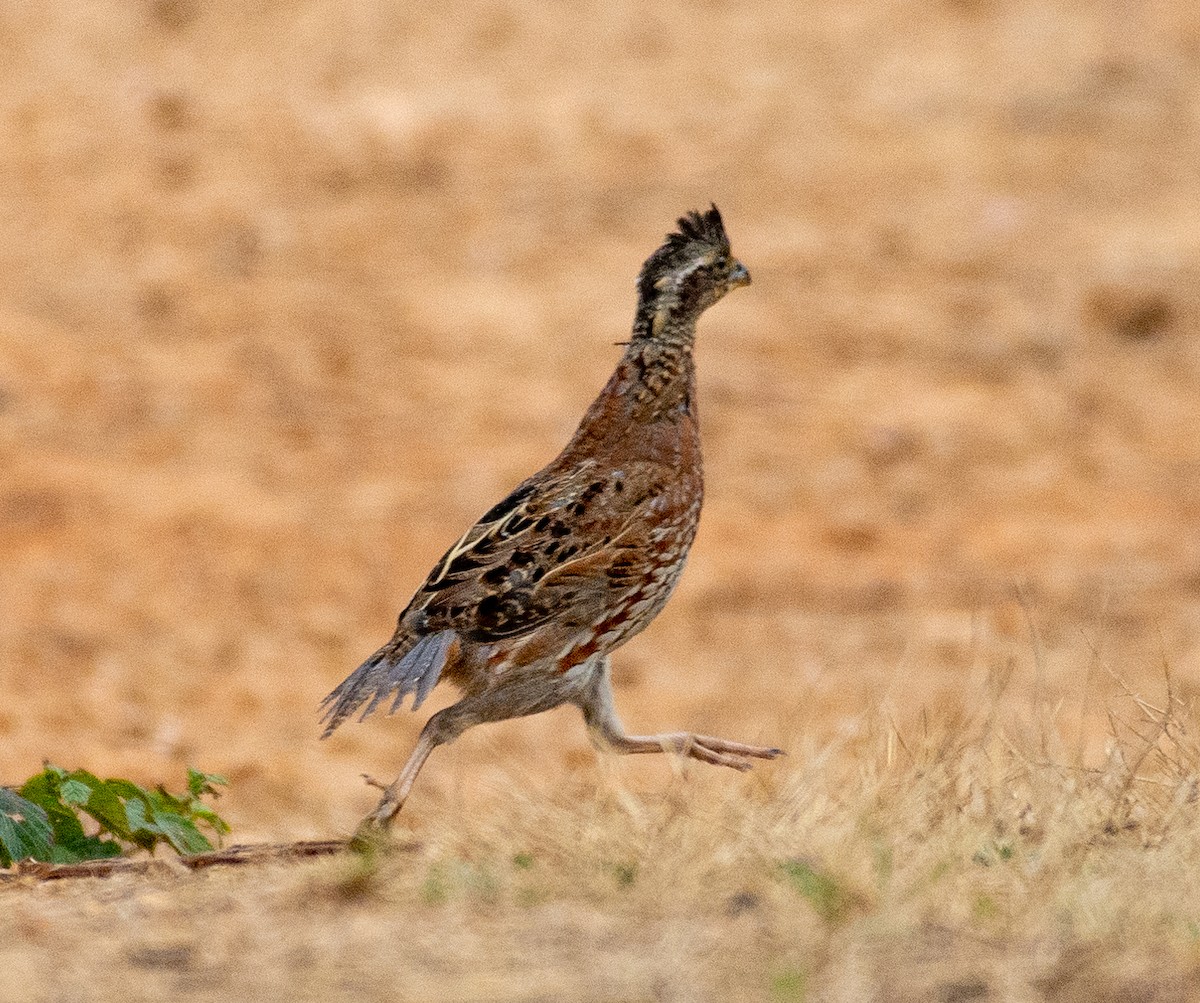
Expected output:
(395, 794)
(606, 732)
(445, 726)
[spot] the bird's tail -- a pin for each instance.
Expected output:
(386, 672)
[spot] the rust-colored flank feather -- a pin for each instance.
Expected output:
(523, 611)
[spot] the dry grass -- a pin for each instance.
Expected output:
(969, 858)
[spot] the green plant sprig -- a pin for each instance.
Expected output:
(44, 818)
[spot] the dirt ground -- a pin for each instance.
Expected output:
(293, 292)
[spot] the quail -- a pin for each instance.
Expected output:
(523, 612)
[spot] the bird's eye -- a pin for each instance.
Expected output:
(721, 263)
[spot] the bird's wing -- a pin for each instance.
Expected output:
(554, 549)
(550, 555)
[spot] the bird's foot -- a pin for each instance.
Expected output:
(720, 752)
(374, 831)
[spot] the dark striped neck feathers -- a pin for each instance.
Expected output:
(659, 355)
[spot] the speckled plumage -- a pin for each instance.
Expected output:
(523, 611)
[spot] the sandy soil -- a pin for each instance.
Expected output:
(292, 293)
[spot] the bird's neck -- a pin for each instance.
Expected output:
(654, 383)
(659, 358)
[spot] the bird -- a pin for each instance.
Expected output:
(523, 612)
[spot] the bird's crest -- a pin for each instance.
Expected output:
(699, 235)
(695, 227)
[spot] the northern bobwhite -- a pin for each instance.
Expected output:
(524, 610)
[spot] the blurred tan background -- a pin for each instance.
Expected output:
(292, 292)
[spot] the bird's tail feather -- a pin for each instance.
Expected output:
(386, 672)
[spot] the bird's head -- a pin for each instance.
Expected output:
(690, 272)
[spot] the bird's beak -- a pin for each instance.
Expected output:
(739, 276)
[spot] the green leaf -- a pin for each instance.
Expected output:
(144, 830)
(202, 813)
(24, 829)
(161, 800)
(137, 816)
(200, 784)
(75, 792)
(124, 789)
(103, 803)
(42, 790)
(85, 848)
(182, 835)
